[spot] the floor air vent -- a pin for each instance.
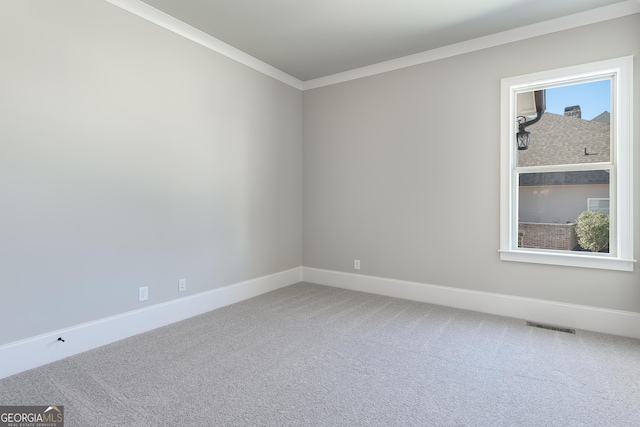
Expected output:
(551, 327)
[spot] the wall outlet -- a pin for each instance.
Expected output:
(143, 293)
(182, 285)
(356, 264)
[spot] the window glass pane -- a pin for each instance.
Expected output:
(550, 202)
(573, 129)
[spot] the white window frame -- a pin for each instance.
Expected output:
(620, 256)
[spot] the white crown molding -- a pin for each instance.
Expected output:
(43, 349)
(174, 25)
(151, 14)
(614, 322)
(593, 16)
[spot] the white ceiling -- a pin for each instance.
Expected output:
(309, 39)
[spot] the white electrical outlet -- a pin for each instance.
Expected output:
(182, 285)
(356, 264)
(143, 293)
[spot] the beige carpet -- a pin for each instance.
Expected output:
(310, 355)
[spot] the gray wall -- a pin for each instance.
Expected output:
(557, 204)
(401, 170)
(130, 156)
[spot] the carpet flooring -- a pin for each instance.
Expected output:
(310, 355)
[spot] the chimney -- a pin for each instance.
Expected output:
(573, 111)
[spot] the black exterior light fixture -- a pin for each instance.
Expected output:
(529, 103)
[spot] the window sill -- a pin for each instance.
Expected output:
(584, 260)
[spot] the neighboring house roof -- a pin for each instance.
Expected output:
(604, 117)
(559, 139)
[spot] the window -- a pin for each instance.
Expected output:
(600, 205)
(566, 147)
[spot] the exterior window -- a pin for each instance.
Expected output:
(566, 148)
(599, 205)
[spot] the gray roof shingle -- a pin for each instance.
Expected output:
(558, 139)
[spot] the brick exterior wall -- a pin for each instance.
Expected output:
(547, 236)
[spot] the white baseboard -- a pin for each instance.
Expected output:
(37, 351)
(588, 318)
(40, 350)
